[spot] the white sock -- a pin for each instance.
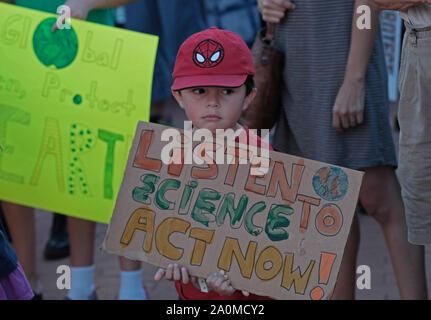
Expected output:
(131, 286)
(81, 283)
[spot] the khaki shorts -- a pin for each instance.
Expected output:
(414, 117)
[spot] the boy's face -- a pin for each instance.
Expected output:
(214, 107)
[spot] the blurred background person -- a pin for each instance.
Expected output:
(336, 110)
(414, 116)
(172, 22)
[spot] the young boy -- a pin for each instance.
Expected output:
(213, 83)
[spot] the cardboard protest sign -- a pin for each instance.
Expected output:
(69, 105)
(280, 235)
(390, 24)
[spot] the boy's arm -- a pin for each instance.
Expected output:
(349, 104)
(79, 9)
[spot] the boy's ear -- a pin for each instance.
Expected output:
(177, 95)
(248, 99)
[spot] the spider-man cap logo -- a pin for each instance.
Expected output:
(208, 53)
(212, 57)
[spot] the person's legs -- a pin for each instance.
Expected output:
(414, 115)
(81, 238)
(129, 265)
(131, 287)
(21, 223)
(381, 197)
(57, 246)
(345, 287)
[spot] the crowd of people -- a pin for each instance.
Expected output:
(335, 109)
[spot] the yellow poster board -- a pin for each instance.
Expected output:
(69, 105)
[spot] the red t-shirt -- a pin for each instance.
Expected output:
(189, 291)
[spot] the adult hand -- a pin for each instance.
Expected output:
(78, 9)
(220, 283)
(348, 110)
(396, 4)
(174, 273)
(274, 10)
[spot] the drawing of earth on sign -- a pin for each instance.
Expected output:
(330, 183)
(58, 48)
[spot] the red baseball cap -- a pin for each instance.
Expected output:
(212, 57)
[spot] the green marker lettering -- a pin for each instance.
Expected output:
(82, 140)
(275, 222)
(187, 194)
(248, 220)
(110, 138)
(141, 194)
(235, 214)
(168, 184)
(202, 204)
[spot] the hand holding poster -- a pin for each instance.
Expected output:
(69, 103)
(281, 234)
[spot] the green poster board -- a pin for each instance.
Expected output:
(69, 105)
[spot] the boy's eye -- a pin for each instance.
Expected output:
(199, 90)
(227, 91)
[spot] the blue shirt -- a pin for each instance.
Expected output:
(102, 16)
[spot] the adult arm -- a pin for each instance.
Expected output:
(348, 108)
(396, 4)
(274, 10)
(79, 9)
(102, 4)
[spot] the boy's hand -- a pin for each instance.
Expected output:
(78, 10)
(274, 10)
(220, 283)
(174, 273)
